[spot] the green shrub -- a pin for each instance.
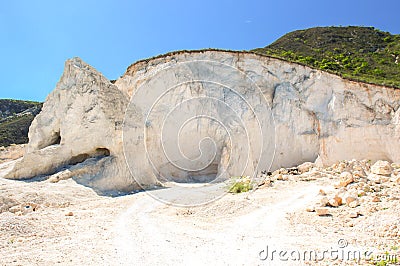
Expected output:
(241, 184)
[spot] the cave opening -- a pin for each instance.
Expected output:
(55, 139)
(205, 175)
(97, 153)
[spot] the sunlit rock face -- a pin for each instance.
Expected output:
(80, 123)
(314, 113)
(205, 116)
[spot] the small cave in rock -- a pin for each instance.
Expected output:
(55, 139)
(102, 152)
(205, 175)
(97, 153)
(78, 158)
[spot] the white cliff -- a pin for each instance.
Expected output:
(196, 116)
(81, 122)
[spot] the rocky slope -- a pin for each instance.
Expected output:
(15, 118)
(200, 115)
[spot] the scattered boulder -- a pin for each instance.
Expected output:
(376, 199)
(374, 178)
(310, 209)
(335, 201)
(384, 179)
(393, 177)
(345, 179)
(353, 214)
(292, 171)
(310, 176)
(372, 209)
(354, 203)
(378, 179)
(322, 211)
(381, 168)
(350, 200)
(305, 167)
(395, 165)
(266, 182)
(314, 174)
(361, 193)
(324, 202)
(367, 188)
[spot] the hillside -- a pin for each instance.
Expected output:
(15, 118)
(360, 53)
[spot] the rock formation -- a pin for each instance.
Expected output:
(79, 125)
(252, 113)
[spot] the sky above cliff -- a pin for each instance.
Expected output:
(38, 36)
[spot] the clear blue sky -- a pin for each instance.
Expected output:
(38, 36)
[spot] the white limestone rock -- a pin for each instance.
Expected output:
(81, 119)
(315, 113)
(381, 168)
(322, 211)
(305, 167)
(309, 114)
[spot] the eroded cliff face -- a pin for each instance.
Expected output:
(204, 116)
(80, 124)
(315, 113)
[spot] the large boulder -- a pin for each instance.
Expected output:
(381, 168)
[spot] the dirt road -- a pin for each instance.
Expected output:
(151, 232)
(72, 225)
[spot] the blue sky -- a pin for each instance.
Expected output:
(38, 36)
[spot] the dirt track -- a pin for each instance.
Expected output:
(137, 229)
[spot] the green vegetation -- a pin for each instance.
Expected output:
(15, 131)
(359, 53)
(241, 184)
(10, 107)
(15, 118)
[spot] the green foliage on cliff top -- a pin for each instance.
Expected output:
(359, 53)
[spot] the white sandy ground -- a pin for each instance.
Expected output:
(137, 229)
